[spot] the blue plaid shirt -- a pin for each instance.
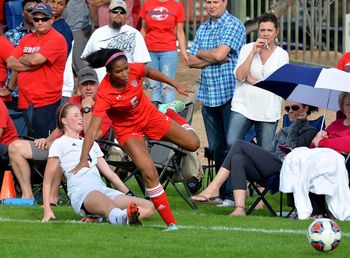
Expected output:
(217, 82)
(15, 36)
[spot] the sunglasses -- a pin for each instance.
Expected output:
(116, 11)
(29, 9)
(293, 108)
(44, 19)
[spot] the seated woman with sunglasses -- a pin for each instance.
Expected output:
(86, 190)
(321, 169)
(249, 161)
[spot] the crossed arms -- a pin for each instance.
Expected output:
(26, 63)
(204, 58)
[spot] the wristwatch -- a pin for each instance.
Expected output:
(86, 110)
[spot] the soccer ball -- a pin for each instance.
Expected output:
(324, 235)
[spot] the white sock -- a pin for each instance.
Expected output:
(118, 216)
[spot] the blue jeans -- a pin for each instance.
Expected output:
(216, 121)
(166, 63)
(240, 125)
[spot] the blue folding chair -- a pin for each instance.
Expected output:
(271, 183)
(317, 123)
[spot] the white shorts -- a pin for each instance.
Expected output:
(78, 195)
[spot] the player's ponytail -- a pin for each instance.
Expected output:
(105, 57)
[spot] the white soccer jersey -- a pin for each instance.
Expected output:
(80, 184)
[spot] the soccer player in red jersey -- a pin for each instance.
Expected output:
(120, 96)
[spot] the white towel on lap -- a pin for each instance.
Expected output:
(320, 171)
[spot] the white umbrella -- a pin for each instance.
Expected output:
(310, 85)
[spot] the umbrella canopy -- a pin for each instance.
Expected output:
(310, 85)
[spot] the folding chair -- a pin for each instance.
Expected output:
(209, 155)
(4, 161)
(271, 183)
(167, 159)
(210, 167)
(123, 166)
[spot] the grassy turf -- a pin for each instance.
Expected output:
(206, 232)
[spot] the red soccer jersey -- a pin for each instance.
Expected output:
(130, 110)
(106, 122)
(6, 50)
(42, 86)
(9, 133)
(161, 19)
(123, 107)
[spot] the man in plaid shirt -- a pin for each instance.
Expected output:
(215, 50)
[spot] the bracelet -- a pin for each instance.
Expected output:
(8, 88)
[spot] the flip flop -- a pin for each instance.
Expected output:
(206, 200)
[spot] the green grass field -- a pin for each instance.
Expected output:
(205, 232)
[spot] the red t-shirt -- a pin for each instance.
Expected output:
(338, 137)
(344, 63)
(106, 122)
(6, 50)
(9, 133)
(42, 86)
(161, 19)
(126, 107)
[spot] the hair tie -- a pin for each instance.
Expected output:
(114, 56)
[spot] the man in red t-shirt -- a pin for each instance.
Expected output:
(23, 150)
(6, 50)
(2, 16)
(8, 132)
(39, 61)
(88, 83)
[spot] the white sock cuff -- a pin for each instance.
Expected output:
(155, 192)
(118, 216)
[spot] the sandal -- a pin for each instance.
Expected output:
(206, 200)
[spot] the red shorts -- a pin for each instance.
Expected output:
(154, 127)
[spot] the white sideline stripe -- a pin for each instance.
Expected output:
(238, 229)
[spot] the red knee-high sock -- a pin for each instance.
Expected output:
(178, 119)
(160, 201)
